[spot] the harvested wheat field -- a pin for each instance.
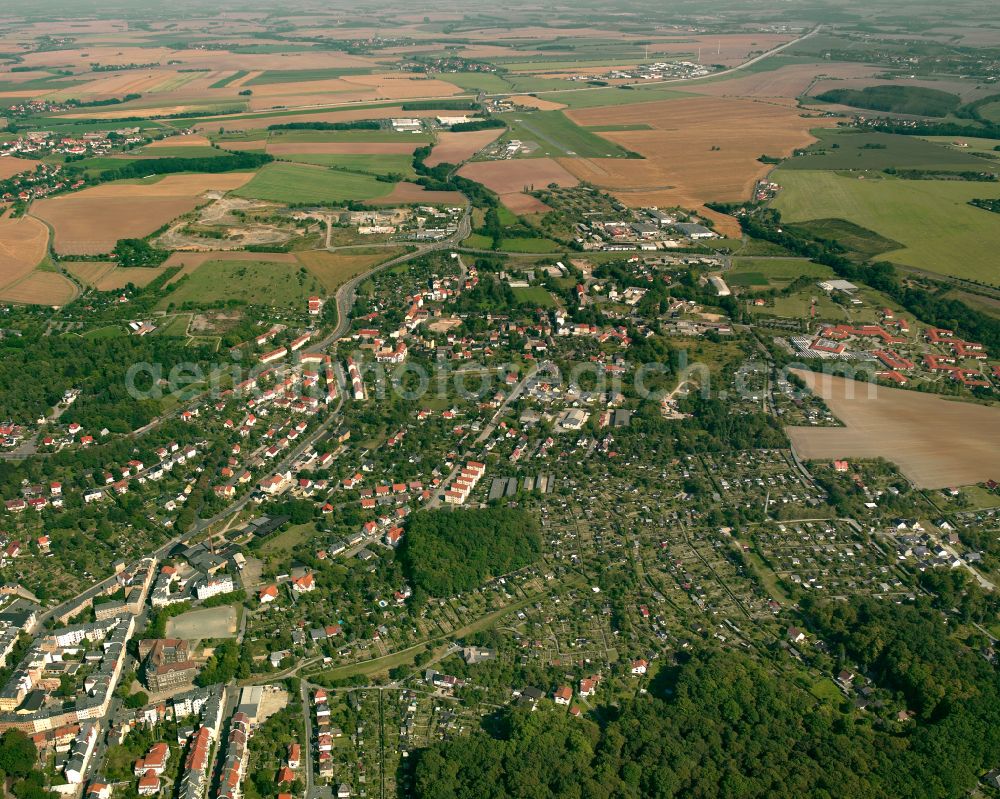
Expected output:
(341, 148)
(935, 442)
(23, 244)
(536, 102)
(335, 269)
(454, 148)
(509, 179)
(40, 288)
(179, 141)
(700, 149)
(89, 272)
(350, 89)
(404, 193)
(10, 165)
(90, 222)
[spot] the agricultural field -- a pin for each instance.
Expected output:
(931, 219)
(699, 150)
(365, 163)
(334, 269)
(454, 148)
(253, 282)
(935, 442)
(513, 179)
(23, 245)
(294, 183)
(91, 221)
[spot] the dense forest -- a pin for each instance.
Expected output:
(446, 552)
(723, 725)
(914, 100)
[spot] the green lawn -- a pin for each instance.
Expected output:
(557, 136)
(848, 149)
(254, 282)
(535, 295)
(397, 163)
(294, 183)
(938, 230)
(825, 690)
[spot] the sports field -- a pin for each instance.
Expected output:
(939, 231)
(293, 183)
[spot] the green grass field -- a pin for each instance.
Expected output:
(382, 135)
(535, 295)
(301, 75)
(295, 183)
(223, 82)
(557, 136)
(477, 81)
(397, 163)
(591, 98)
(845, 149)
(858, 240)
(529, 245)
(254, 282)
(773, 272)
(938, 230)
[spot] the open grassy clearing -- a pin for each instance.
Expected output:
(858, 240)
(253, 282)
(294, 183)
(381, 135)
(846, 149)
(931, 219)
(224, 82)
(179, 151)
(391, 163)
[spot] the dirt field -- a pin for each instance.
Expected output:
(397, 86)
(509, 178)
(935, 442)
(89, 272)
(40, 288)
(700, 149)
(23, 243)
(341, 148)
(405, 192)
(90, 222)
(10, 165)
(195, 625)
(536, 102)
(454, 148)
